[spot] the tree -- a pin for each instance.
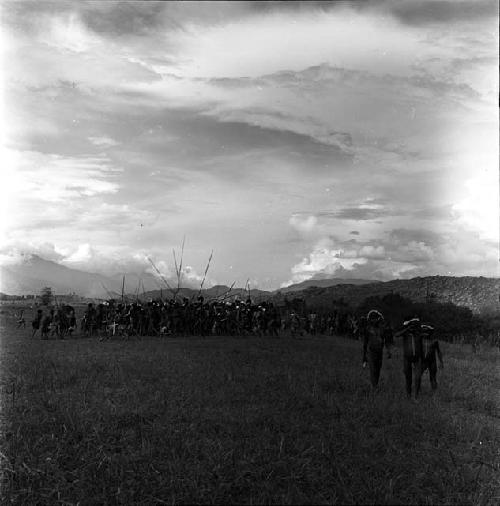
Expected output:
(46, 295)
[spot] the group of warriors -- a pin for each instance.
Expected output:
(187, 318)
(59, 322)
(420, 349)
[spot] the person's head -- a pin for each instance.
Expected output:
(374, 317)
(412, 323)
(427, 330)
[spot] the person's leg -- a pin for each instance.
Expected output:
(433, 374)
(418, 377)
(375, 363)
(408, 374)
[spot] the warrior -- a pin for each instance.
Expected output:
(71, 320)
(413, 353)
(47, 323)
(376, 335)
(431, 349)
(37, 322)
(21, 322)
(88, 322)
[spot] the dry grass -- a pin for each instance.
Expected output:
(252, 421)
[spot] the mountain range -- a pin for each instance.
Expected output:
(33, 273)
(480, 294)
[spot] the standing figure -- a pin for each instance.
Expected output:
(89, 320)
(71, 320)
(21, 322)
(376, 335)
(37, 322)
(47, 325)
(431, 349)
(413, 353)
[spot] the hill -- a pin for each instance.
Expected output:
(325, 283)
(218, 291)
(480, 294)
(33, 273)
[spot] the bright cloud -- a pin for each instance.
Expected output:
(270, 132)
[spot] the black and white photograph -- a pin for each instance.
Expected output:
(249, 252)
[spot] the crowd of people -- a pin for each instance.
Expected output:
(188, 318)
(183, 318)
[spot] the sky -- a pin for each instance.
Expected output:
(296, 140)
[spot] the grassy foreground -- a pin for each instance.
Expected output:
(234, 420)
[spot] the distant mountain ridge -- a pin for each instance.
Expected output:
(477, 293)
(34, 272)
(323, 283)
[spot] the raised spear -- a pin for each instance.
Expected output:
(205, 275)
(162, 278)
(225, 295)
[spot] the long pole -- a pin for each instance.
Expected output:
(205, 275)
(162, 277)
(178, 267)
(137, 291)
(123, 287)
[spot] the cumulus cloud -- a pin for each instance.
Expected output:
(239, 138)
(400, 253)
(14, 252)
(303, 224)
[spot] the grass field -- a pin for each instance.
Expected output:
(235, 420)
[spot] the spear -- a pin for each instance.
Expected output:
(110, 295)
(206, 270)
(162, 278)
(245, 289)
(123, 286)
(178, 268)
(137, 291)
(225, 295)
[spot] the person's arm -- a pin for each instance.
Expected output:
(365, 346)
(400, 332)
(439, 354)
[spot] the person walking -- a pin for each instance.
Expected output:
(376, 335)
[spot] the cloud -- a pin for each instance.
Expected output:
(442, 11)
(414, 12)
(400, 253)
(14, 252)
(55, 178)
(358, 213)
(136, 124)
(303, 224)
(103, 141)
